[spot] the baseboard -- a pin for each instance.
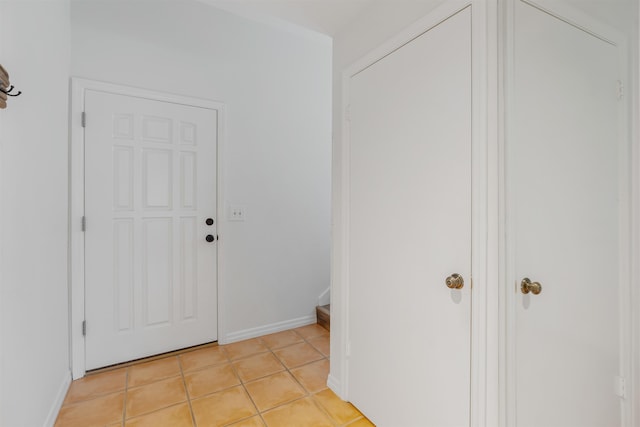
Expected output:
(267, 329)
(336, 386)
(325, 297)
(57, 404)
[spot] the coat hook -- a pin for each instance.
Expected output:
(8, 91)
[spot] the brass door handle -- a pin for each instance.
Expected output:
(527, 286)
(455, 281)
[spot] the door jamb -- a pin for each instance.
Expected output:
(79, 87)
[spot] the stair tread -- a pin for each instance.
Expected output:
(323, 314)
(324, 308)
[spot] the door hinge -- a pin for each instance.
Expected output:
(620, 387)
(620, 89)
(84, 223)
(84, 119)
(84, 328)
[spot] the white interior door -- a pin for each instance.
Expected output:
(150, 195)
(409, 229)
(564, 191)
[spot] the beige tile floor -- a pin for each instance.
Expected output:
(277, 380)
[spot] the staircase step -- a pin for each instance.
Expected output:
(323, 314)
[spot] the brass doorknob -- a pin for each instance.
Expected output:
(527, 286)
(455, 281)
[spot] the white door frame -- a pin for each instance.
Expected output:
(484, 314)
(79, 88)
(629, 242)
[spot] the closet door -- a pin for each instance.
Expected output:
(410, 229)
(566, 218)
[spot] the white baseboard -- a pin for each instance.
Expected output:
(334, 384)
(325, 297)
(57, 404)
(267, 329)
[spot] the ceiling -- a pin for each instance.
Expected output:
(330, 16)
(321, 16)
(620, 14)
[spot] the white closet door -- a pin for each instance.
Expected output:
(150, 194)
(409, 229)
(564, 193)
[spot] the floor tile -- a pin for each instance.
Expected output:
(340, 411)
(251, 422)
(274, 390)
(222, 408)
(173, 416)
(321, 344)
(204, 357)
(362, 422)
(96, 412)
(311, 331)
(94, 385)
(298, 354)
(149, 372)
(313, 376)
(244, 348)
(281, 339)
(157, 393)
(154, 396)
(260, 365)
(300, 413)
(210, 380)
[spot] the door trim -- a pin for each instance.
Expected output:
(79, 88)
(484, 315)
(629, 201)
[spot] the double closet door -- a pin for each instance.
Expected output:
(410, 213)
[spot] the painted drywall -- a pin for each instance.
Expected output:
(34, 367)
(376, 25)
(277, 144)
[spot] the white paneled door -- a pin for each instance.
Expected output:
(409, 227)
(150, 243)
(565, 183)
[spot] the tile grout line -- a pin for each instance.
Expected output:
(186, 390)
(308, 394)
(271, 350)
(286, 369)
(242, 383)
(311, 395)
(124, 399)
(154, 358)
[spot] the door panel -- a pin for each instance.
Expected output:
(410, 228)
(564, 190)
(150, 184)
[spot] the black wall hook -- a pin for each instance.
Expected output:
(8, 91)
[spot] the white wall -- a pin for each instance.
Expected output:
(378, 24)
(277, 89)
(34, 367)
